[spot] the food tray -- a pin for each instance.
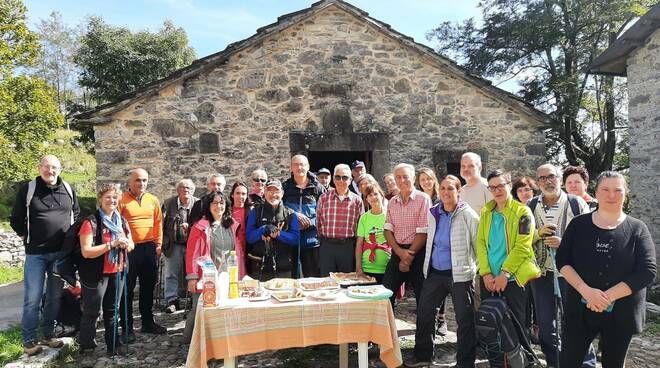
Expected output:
(281, 284)
(369, 292)
(323, 295)
(294, 295)
(351, 278)
(312, 284)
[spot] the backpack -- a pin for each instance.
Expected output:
(502, 337)
(70, 256)
(32, 185)
(572, 201)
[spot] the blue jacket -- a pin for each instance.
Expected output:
(304, 201)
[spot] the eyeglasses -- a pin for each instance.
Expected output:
(545, 178)
(497, 187)
(342, 177)
(259, 180)
(51, 167)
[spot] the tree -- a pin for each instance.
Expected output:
(114, 61)
(548, 45)
(55, 62)
(28, 112)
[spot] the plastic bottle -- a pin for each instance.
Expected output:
(232, 267)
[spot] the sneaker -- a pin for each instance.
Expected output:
(154, 328)
(414, 362)
(441, 327)
(52, 342)
(31, 348)
(171, 308)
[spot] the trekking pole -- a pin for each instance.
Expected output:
(559, 308)
(115, 318)
(126, 297)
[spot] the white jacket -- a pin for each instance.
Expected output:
(463, 239)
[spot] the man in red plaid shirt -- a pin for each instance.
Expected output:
(405, 228)
(337, 215)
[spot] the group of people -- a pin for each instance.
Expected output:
(490, 236)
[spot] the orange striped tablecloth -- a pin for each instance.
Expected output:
(252, 327)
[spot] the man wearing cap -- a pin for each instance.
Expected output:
(272, 234)
(301, 194)
(357, 169)
(324, 177)
(337, 216)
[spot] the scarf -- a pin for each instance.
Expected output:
(372, 245)
(114, 225)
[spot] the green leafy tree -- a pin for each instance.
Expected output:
(28, 111)
(548, 45)
(114, 60)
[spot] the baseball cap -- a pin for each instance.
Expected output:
(274, 183)
(323, 171)
(357, 163)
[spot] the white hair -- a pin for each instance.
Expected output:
(257, 172)
(405, 166)
(302, 157)
(548, 166)
(475, 157)
(340, 167)
(219, 176)
(187, 182)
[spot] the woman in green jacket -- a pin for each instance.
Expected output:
(504, 245)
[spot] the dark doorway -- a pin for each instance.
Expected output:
(329, 159)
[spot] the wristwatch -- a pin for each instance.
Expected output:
(506, 274)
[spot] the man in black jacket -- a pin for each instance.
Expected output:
(44, 210)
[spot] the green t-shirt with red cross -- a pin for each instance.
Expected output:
(370, 228)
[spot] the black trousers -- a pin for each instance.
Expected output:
(309, 260)
(516, 299)
(143, 265)
(436, 287)
(97, 295)
(580, 329)
(337, 255)
(393, 278)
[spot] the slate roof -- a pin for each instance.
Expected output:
(103, 113)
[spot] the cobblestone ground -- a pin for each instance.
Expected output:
(169, 350)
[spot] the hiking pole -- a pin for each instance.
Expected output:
(559, 308)
(126, 296)
(115, 318)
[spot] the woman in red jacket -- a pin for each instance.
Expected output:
(213, 236)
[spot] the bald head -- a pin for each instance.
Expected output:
(137, 181)
(49, 169)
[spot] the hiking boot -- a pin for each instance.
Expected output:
(441, 327)
(154, 328)
(414, 362)
(31, 348)
(52, 342)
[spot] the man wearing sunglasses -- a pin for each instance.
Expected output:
(337, 215)
(553, 210)
(258, 180)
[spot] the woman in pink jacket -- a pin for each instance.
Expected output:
(213, 236)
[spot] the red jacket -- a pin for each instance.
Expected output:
(199, 245)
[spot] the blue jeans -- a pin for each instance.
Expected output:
(36, 267)
(544, 304)
(174, 269)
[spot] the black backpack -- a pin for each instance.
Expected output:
(70, 256)
(502, 337)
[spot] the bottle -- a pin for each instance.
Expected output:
(232, 267)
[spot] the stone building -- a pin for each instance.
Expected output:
(328, 81)
(636, 55)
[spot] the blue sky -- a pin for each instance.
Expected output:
(211, 25)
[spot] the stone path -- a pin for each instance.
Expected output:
(168, 350)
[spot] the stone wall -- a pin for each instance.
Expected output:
(644, 120)
(12, 251)
(331, 67)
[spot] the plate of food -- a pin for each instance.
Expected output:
(351, 278)
(369, 292)
(281, 284)
(293, 295)
(324, 294)
(312, 284)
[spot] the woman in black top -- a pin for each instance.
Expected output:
(609, 259)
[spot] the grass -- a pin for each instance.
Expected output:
(652, 327)
(10, 274)
(11, 345)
